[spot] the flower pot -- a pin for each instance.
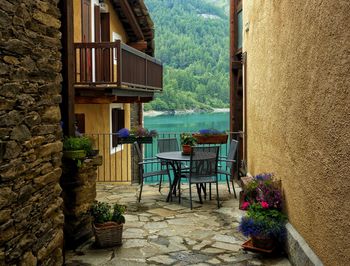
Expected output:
(78, 154)
(186, 149)
(263, 242)
(211, 139)
(144, 139)
(108, 234)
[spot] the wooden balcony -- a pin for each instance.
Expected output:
(116, 65)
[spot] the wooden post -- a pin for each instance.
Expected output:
(68, 61)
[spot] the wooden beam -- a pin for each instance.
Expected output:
(124, 4)
(141, 45)
(68, 61)
(95, 100)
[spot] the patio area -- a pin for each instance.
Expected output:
(157, 232)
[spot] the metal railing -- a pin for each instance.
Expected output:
(116, 64)
(120, 161)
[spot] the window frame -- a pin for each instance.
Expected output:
(118, 147)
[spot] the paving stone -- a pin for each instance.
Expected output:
(231, 247)
(156, 225)
(134, 233)
(163, 259)
(213, 250)
(131, 218)
(134, 243)
(214, 261)
(201, 245)
(190, 241)
(189, 257)
(162, 212)
(226, 238)
(181, 221)
(174, 207)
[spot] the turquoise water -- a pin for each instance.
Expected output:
(183, 123)
(188, 122)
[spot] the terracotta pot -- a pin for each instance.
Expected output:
(186, 149)
(263, 242)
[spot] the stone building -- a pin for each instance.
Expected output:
(31, 219)
(294, 88)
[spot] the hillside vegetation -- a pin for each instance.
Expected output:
(192, 41)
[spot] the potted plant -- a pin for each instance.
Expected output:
(139, 134)
(187, 141)
(265, 225)
(108, 223)
(211, 136)
(76, 148)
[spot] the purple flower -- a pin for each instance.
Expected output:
(123, 133)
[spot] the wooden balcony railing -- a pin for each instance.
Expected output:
(116, 64)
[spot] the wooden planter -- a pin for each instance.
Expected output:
(211, 139)
(108, 234)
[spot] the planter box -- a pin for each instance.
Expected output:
(211, 139)
(130, 140)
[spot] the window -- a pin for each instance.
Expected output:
(117, 123)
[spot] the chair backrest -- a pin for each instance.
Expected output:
(169, 144)
(204, 161)
(137, 150)
(232, 152)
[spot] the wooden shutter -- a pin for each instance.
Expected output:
(117, 123)
(98, 52)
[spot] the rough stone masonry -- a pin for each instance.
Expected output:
(31, 219)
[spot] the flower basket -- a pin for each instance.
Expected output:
(108, 234)
(266, 243)
(211, 139)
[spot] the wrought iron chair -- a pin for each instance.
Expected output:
(203, 169)
(229, 163)
(146, 174)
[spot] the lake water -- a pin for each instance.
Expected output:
(184, 123)
(188, 122)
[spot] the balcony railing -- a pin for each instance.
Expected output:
(120, 162)
(116, 64)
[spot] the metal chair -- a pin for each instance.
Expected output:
(167, 144)
(203, 169)
(229, 162)
(145, 174)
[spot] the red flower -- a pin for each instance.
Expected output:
(264, 204)
(245, 205)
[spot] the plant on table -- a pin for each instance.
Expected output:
(108, 223)
(187, 141)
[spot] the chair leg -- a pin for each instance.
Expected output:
(180, 190)
(233, 187)
(160, 183)
(217, 194)
(141, 189)
(190, 196)
(228, 184)
(199, 187)
(209, 191)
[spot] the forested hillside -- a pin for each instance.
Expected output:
(192, 41)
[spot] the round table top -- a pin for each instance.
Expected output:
(178, 156)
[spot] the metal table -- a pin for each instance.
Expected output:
(175, 160)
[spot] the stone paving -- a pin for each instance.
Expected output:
(157, 232)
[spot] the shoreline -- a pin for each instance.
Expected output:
(181, 112)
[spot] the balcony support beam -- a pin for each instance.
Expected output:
(124, 4)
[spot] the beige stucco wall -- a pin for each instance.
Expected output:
(298, 113)
(116, 165)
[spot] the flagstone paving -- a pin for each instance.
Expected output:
(157, 232)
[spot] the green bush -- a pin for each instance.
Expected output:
(77, 143)
(102, 212)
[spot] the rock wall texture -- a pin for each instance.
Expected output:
(79, 193)
(31, 220)
(298, 113)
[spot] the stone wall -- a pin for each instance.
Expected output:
(298, 113)
(79, 193)
(31, 220)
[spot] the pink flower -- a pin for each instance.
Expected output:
(264, 204)
(245, 205)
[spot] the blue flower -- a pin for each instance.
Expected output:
(124, 133)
